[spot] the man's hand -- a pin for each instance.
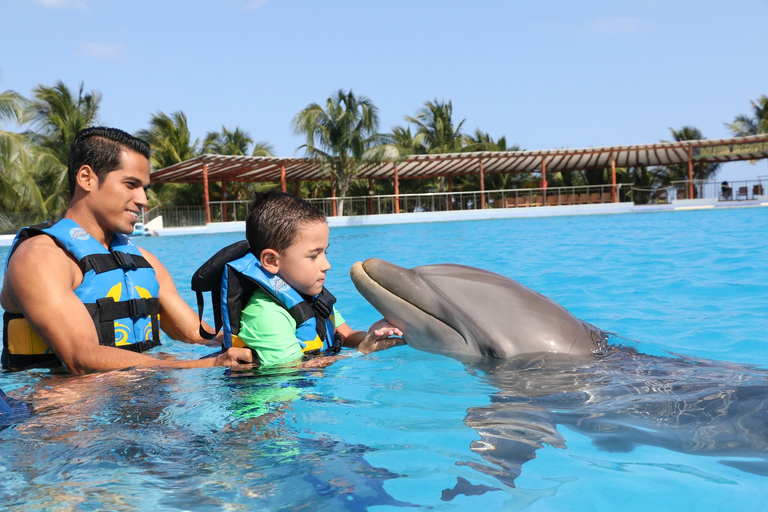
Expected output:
(235, 356)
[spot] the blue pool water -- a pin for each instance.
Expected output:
(674, 418)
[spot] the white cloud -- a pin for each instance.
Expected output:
(62, 4)
(619, 25)
(101, 50)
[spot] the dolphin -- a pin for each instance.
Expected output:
(559, 370)
(470, 313)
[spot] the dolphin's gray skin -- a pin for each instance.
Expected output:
(466, 312)
(558, 370)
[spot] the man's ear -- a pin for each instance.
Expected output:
(86, 178)
(270, 261)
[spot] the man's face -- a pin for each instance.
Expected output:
(304, 263)
(119, 199)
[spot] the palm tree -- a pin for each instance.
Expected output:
(58, 115)
(170, 139)
(482, 141)
(435, 130)
(31, 178)
(237, 142)
(341, 136)
(743, 125)
(13, 107)
(171, 143)
(680, 172)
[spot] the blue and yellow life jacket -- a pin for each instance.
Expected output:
(234, 273)
(119, 290)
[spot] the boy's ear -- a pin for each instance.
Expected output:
(270, 260)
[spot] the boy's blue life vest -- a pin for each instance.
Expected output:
(119, 290)
(234, 273)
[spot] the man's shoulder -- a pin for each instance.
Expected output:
(37, 250)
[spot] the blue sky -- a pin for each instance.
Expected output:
(548, 74)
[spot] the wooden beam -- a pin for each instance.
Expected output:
(690, 172)
(482, 186)
(206, 196)
(370, 196)
(397, 191)
(223, 201)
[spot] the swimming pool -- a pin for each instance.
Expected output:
(686, 293)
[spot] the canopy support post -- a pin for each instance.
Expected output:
(206, 196)
(397, 191)
(482, 186)
(224, 201)
(690, 172)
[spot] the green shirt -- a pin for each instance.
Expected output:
(268, 328)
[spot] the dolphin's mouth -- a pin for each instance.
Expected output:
(405, 314)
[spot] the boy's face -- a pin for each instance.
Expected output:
(304, 263)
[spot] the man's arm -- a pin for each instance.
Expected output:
(178, 320)
(39, 283)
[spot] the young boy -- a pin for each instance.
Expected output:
(289, 237)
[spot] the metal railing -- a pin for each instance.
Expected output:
(452, 201)
(177, 216)
(228, 211)
(742, 190)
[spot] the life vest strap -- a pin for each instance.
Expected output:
(321, 308)
(114, 260)
(105, 311)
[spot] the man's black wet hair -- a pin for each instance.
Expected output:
(101, 148)
(275, 218)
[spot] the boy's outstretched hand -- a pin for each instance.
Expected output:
(381, 336)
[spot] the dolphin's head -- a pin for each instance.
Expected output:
(467, 312)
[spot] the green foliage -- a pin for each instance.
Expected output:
(58, 115)
(341, 136)
(701, 170)
(170, 139)
(744, 125)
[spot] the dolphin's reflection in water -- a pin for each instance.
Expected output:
(621, 400)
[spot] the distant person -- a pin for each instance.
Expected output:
(277, 301)
(77, 292)
(725, 190)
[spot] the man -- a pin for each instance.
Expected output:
(81, 292)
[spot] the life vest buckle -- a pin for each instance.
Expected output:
(124, 260)
(137, 308)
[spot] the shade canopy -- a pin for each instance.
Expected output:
(253, 168)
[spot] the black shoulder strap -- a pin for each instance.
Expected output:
(29, 232)
(207, 278)
(112, 261)
(320, 309)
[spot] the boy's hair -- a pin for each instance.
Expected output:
(275, 218)
(101, 148)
